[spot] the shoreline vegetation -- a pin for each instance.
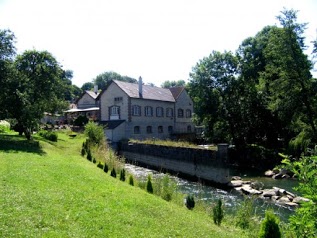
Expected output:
(50, 189)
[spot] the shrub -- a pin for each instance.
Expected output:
(80, 121)
(113, 173)
(94, 160)
(245, 213)
(131, 180)
(83, 151)
(149, 186)
(89, 157)
(105, 168)
(95, 133)
(190, 202)
(218, 213)
(4, 126)
(165, 187)
(122, 175)
(270, 226)
(100, 165)
(49, 135)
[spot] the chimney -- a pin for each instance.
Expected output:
(140, 87)
(96, 89)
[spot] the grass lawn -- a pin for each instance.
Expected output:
(48, 190)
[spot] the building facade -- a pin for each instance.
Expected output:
(134, 110)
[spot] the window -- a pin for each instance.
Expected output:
(148, 111)
(160, 129)
(189, 129)
(170, 129)
(118, 99)
(136, 110)
(149, 129)
(188, 113)
(169, 112)
(136, 130)
(114, 113)
(159, 112)
(180, 112)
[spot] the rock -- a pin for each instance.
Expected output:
(283, 200)
(291, 204)
(277, 176)
(257, 185)
(300, 199)
(246, 189)
(235, 183)
(276, 171)
(269, 173)
(269, 193)
(236, 178)
(281, 192)
(285, 176)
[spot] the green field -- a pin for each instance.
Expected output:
(49, 190)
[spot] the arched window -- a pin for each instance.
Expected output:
(160, 129)
(170, 129)
(136, 110)
(114, 113)
(148, 111)
(136, 130)
(149, 129)
(188, 113)
(180, 112)
(159, 112)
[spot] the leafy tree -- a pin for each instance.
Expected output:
(87, 86)
(104, 79)
(7, 53)
(149, 186)
(218, 212)
(171, 84)
(35, 86)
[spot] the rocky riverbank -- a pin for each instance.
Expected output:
(276, 195)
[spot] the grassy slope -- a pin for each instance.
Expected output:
(53, 192)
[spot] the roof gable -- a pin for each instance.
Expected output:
(148, 92)
(176, 91)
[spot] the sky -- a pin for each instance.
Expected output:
(159, 40)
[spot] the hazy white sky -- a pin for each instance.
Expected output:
(158, 40)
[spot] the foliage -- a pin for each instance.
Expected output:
(304, 223)
(165, 187)
(89, 156)
(81, 120)
(4, 126)
(103, 80)
(105, 168)
(149, 186)
(270, 226)
(83, 151)
(131, 180)
(171, 84)
(95, 133)
(122, 175)
(49, 135)
(245, 213)
(218, 212)
(190, 202)
(113, 173)
(87, 86)
(100, 165)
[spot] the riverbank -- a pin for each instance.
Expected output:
(49, 190)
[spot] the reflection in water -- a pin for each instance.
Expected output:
(232, 199)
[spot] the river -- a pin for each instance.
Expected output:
(232, 199)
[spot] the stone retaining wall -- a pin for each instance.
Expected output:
(202, 164)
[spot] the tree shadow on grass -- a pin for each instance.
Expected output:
(16, 143)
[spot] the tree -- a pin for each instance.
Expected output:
(104, 79)
(7, 53)
(270, 226)
(37, 87)
(171, 84)
(87, 86)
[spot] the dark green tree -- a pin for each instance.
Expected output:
(87, 86)
(37, 87)
(270, 226)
